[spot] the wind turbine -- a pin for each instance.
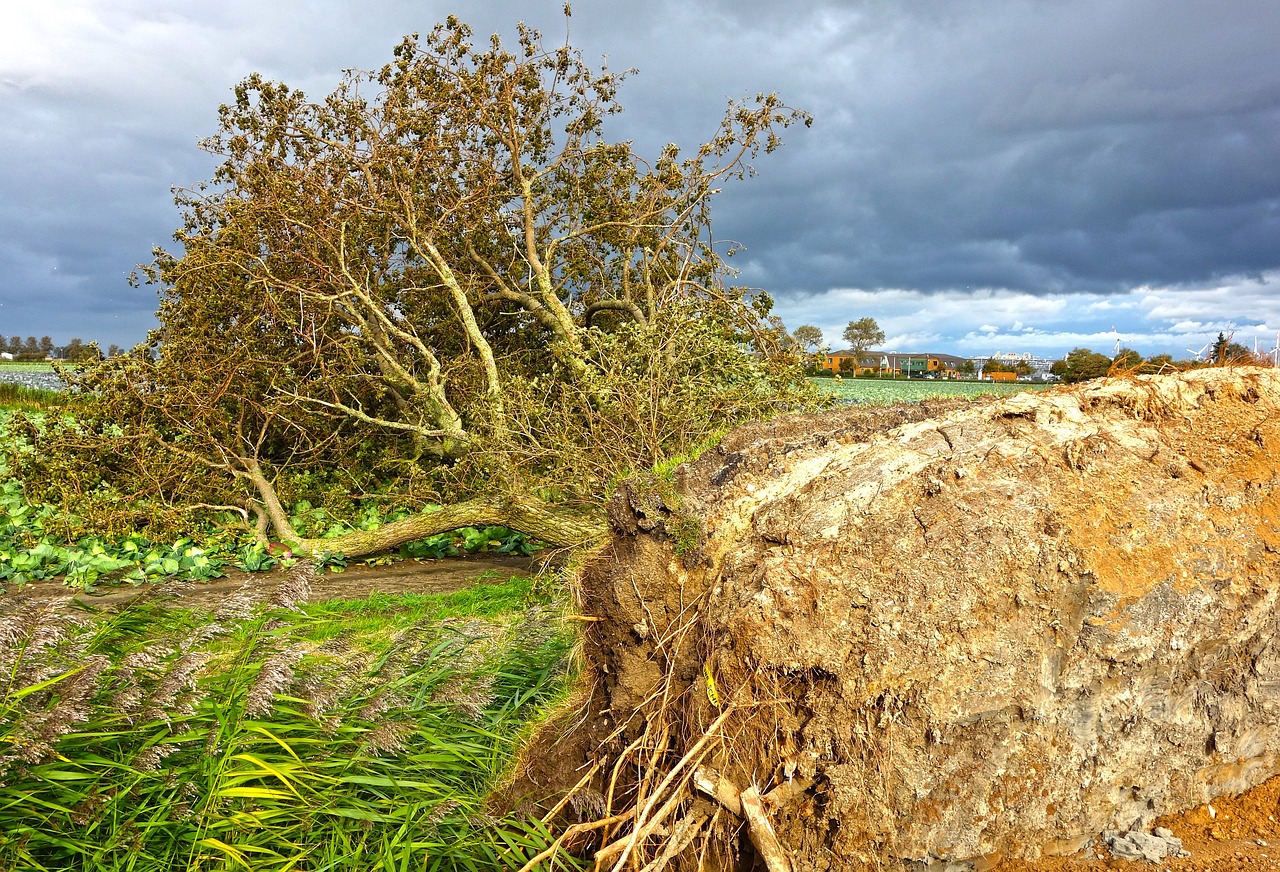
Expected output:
(1203, 349)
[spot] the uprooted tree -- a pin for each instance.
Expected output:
(441, 284)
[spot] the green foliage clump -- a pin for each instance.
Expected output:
(1081, 364)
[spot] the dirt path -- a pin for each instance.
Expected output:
(410, 576)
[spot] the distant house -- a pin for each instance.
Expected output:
(893, 364)
(4, 355)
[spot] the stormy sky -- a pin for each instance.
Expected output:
(980, 177)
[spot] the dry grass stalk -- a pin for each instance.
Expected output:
(573, 832)
(647, 821)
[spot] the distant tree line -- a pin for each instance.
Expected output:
(43, 348)
(1080, 365)
(1084, 363)
(1020, 368)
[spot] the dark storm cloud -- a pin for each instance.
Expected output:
(1046, 148)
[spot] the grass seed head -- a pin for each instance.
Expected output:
(388, 737)
(327, 683)
(239, 606)
(31, 630)
(377, 704)
(588, 804)
(150, 758)
(274, 676)
(467, 694)
(180, 678)
(296, 586)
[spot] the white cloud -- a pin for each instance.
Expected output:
(1151, 320)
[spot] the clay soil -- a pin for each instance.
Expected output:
(1230, 833)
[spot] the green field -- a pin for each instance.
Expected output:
(26, 365)
(881, 392)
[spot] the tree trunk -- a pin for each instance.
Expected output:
(554, 525)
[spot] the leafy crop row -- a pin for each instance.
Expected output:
(886, 391)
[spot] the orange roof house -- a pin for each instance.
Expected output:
(892, 363)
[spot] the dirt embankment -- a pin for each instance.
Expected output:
(956, 635)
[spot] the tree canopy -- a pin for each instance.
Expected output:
(808, 336)
(863, 334)
(443, 284)
(1018, 367)
(1080, 365)
(1226, 350)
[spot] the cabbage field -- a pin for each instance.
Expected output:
(884, 391)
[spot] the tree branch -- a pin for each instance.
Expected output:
(555, 525)
(614, 306)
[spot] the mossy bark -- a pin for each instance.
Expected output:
(555, 525)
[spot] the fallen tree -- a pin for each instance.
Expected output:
(441, 285)
(936, 634)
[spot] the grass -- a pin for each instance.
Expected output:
(386, 614)
(14, 396)
(885, 391)
(272, 736)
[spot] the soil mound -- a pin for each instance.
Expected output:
(951, 633)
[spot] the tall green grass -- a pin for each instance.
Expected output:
(257, 737)
(13, 396)
(26, 365)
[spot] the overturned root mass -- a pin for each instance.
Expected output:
(936, 633)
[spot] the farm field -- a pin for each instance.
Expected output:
(26, 366)
(29, 384)
(884, 391)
